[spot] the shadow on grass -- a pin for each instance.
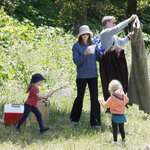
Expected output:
(60, 128)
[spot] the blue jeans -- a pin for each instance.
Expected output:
(27, 110)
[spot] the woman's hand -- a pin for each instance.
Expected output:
(87, 52)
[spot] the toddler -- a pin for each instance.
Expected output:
(116, 102)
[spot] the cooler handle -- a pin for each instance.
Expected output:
(15, 105)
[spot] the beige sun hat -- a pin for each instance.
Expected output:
(84, 30)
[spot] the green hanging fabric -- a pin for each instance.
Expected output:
(139, 86)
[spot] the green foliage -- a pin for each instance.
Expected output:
(70, 11)
(64, 13)
(26, 49)
(39, 12)
(146, 38)
(9, 5)
(143, 10)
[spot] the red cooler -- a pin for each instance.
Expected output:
(12, 113)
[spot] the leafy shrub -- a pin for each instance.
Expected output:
(146, 38)
(143, 10)
(9, 5)
(26, 49)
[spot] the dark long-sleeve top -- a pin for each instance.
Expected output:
(113, 65)
(86, 65)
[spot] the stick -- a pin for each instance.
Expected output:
(58, 89)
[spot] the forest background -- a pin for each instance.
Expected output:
(37, 36)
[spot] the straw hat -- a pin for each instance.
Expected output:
(84, 30)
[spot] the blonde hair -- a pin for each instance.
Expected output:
(115, 87)
(105, 19)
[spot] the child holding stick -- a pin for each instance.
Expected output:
(31, 103)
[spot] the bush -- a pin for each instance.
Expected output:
(26, 49)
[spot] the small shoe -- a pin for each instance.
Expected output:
(97, 127)
(75, 123)
(115, 142)
(17, 129)
(44, 129)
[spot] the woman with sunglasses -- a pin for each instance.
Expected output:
(85, 62)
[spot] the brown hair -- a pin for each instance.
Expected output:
(105, 19)
(29, 87)
(89, 39)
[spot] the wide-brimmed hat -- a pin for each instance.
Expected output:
(37, 77)
(84, 30)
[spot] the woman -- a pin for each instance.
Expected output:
(86, 74)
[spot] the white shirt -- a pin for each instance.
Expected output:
(108, 36)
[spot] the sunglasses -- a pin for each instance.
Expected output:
(85, 34)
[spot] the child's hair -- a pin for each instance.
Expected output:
(115, 87)
(29, 87)
(105, 19)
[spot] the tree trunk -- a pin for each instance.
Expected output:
(81, 17)
(131, 9)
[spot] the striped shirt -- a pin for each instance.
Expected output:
(116, 104)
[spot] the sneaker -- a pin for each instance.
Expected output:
(44, 129)
(17, 129)
(115, 142)
(74, 122)
(97, 127)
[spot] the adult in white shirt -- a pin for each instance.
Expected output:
(108, 35)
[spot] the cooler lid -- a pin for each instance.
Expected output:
(13, 108)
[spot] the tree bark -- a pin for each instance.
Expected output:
(81, 17)
(131, 9)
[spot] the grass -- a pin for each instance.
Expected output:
(63, 136)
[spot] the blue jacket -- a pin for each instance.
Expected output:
(86, 65)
